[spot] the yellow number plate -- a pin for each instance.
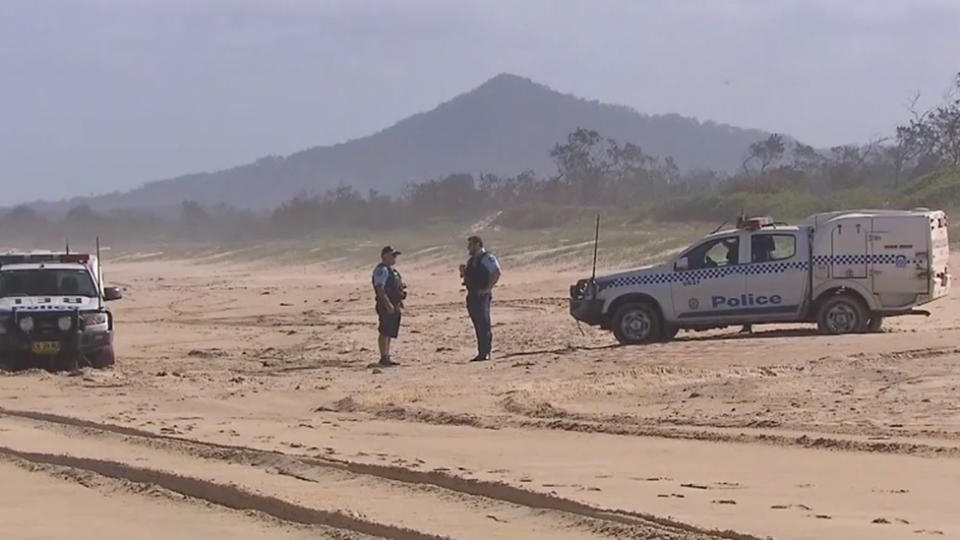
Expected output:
(46, 347)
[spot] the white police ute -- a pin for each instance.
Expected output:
(52, 312)
(844, 271)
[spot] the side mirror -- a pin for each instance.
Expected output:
(682, 264)
(112, 293)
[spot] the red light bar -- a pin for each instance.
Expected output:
(754, 223)
(80, 258)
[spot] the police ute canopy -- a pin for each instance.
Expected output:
(52, 311)
(845, 271)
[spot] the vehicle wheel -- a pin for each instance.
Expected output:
(669, 332)
(102, 358)
(638, 323)
(842, 314)
(876, 321)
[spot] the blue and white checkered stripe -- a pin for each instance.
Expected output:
(772, 268)
(659, 279)
(751, 270)
(863, 259)
(703, 274)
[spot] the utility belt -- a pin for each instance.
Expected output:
(471, 286)
(475, 292)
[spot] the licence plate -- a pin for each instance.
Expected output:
(46, 347)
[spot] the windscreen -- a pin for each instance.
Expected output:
(44, 282)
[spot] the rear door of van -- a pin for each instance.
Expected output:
(900, 259)
(940, 260)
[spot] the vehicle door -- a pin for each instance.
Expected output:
(776, 277)
(707, 284)
(848, 241)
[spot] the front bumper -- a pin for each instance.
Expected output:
(587, 311)
(46, 339)
(22, 344)
(584, 306)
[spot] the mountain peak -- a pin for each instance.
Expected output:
(509, 78)
(508, 82)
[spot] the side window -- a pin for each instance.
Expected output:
(772, 247)
(719, 252)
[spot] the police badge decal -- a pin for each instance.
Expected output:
(694, 304)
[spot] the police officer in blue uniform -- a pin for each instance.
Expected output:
(480, 275)
(390, 294)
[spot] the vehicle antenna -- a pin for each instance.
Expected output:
(596, 245)
(742, 219)
(99, 278)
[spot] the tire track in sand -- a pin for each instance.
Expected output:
(547, 416)
(582, 516)
(223, 495)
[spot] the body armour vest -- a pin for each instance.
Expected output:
(476, 276)
(394, 288)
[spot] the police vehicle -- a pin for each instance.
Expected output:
(52, 312)
(845, 271)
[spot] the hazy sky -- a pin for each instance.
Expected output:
(97, 95)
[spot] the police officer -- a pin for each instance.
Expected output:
(390, 294)
(480, 275)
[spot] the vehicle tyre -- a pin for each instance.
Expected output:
(102, 359)
(636, 323)
(842, 314)
(669, 332)
(876, 322)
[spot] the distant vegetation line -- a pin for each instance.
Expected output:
(919, 166)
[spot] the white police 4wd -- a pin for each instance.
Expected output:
(52, 311)
(845, 271)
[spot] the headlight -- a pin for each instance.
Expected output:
(26, 324)
(65, 323)
(94, 319)
(580, 290)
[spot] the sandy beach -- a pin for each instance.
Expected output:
(244, 405)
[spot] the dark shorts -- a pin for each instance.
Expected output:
(389, 323)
